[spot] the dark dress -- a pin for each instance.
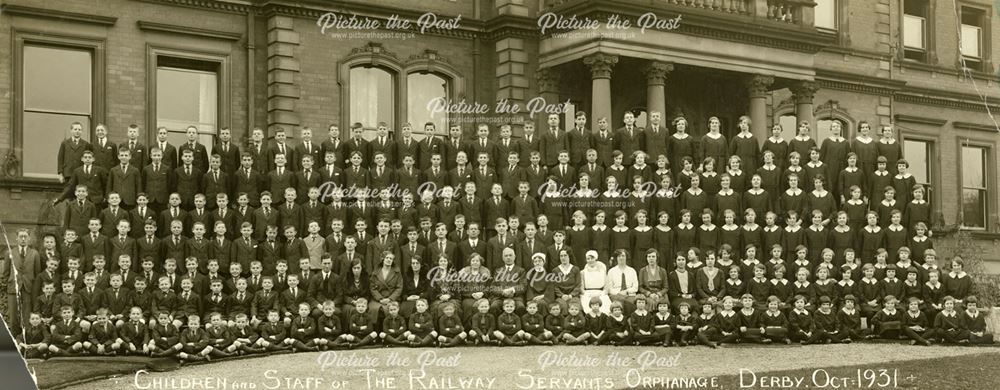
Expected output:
(822, 202)
(848, 178)
(600, 241)
(663, 240)
(708, 238)
(871, 240)
(834, 154)
(814, 170)
(892, 152)
(641, 242)
(739, 181)
(760, 202)
(579, 241)
(840, 241)
(731, 238)
(714, 148)
(678, 148)
(793, 201)
(621, 240)
(771, 182)
(904, 188)
(802, 146)
(867, 154)
(694, 202)
(748, 150)
(710, 183)
(685, 238)
(780, 150)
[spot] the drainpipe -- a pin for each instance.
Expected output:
(251, 55)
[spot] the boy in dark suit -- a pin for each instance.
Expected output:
(553, 141)
(280, 147)
(579, 139)
(198, 151)
(168, 150)
(172, 214)
(71, 152)
(80, 211)
(103, 338)
(67, 337)
(227, 151)
(134, 333)
(306, 179)
(215, 181)
(187, 179)
(156, 180)
(125, 179)
(105, 151)
(406, 146)
(334, 145)
(382, 144)
(247, 180)
(117, 301)
(139, 216)
(164, 340)
(280, 180)
(34, 342)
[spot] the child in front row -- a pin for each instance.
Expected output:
(164, 338)
(575, 331)
(361, 326)
(708, 326)
(774, 322)
(888, 322)
(194, 341)
(302, 330)
(801, 322)
(66, 336)
(509, 331)
(328, 327)
(393, 327)
(244, 337)
(450, 330)
(641, 323)
(825, 324)
(686, 325)
(420, 332)
(751, 329)
(555, 323)
(35, 341)
(103, 338)
(915, 324)
(273, 333)
(219, 336)
(849, 318)
(483, 324)
(617, 326)
(975, 322)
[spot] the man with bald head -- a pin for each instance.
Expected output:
(508, 283)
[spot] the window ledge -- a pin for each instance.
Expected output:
(29, 183)
(917, 65)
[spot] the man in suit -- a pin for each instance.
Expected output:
(529, 246)
(335, 145)
(305, 179)
(79, 211)
(382, 144)
(92, 176)
(71, 152)
(280, 179)
(198, 150)
(509, 282)
(215, 181)
(187, 179)
(429, 146)
(554, 140)
(136, 149)
(529, 142)
(24, 265)
(593, 169)
(497, 246)
(473, 244)
(630, 139)
(357, 144)
(564, 173)
(156, 180)
(579, 140)
(604, 142)
(656, 137)
(322, 286)
(308, 148)
(169, 151)
(105, 151)
(412, 249)
(125, 180)
(455, 144)
(258, 151)
(442, 247)
(228, 151)
(407, 146)
(506, 146)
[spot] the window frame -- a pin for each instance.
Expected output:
(836, 18)
(224, 111)
(985, 61)
(989, 173)
(418, 128)
(98, 105)
(933, 187)
(929, 52)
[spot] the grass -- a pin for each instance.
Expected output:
(612, 367)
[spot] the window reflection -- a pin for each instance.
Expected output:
(423, 88)
(372, 97)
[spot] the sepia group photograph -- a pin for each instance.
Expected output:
(499, 194)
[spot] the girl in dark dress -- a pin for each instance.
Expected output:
(920, 243)
(770, 177)
(866, 148)
(850, 176)
(709, 178)
(727, 199)
(813, 169)
(918, 210)
(793, 168)
(895, 236)
(834, 154)
(621, 235)
(821, 199)
(685, 235)
(686, 173)
(665, 199)
(793, 236)
(355, 286)
(803, 142)
(771, 233)
(816, 236)
(889, 148)
(612, 199)
(738, 179)
(750, 232)
(793, 199)
(616, 170)
(745, 145)
(640, 167)
(708, 232)
(757, 198)
(842, 237)
(958, 284)
(640, 197)
(694, 198)
(585, 197)
(553, 205)
(713, 143)
(887, 205)
(778, 146)
(680, 144)
(903, 182)
(877, 181)
(579, 236)
(600, 236)
(662, 168)
(642, 236)
(856, 209)
(663, 240)
(872, 237)
(729, 232)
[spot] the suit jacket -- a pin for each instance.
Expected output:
(458, 179)
(249, 182)
(228, 218)
(245, 252)
(170, 157)
(355, 213)
(473, 210)
(167, 217)
(220, 249)
(439, 179)
(26, 267)
(673, 284)
(494, 209)
(211, 186)
(262, 219)
(149, 247)
(503, 152)
(605, 145)
(494, 250)
(156, 183)
(277, 183)
(70, 156)
(337, 147)
(386, 146)
(484, 180)
(138, 220)
(510, 178)
(291, 215)
(105, 156)
(230, 156)
(383, 180)
(357, 145)
(78, 216)
(303, 184)
(551, 144)
(525, 251)
(409, 180)
(579, 142)
(187, 185)
(405, 148)
(92, 246)
(490, 148)
(452, 147)
(259, 153)
(407, 253)
(175, 250)
(630, 142)
(137, 153)
(466, 249)
(430, 146)
(120, 304)
(526, 145)
(450, 251)
(200, 154)
(109, 220)
(95, 181)
(655, 141)
(566, 180)
(535, 176)
(329, 174)
(118, 247)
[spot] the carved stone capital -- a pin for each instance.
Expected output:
(600, 65)
(804, 91)
(547, 79)
(656, 72)
(758, 85)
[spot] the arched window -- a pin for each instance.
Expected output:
(372, 96)
(423, 89)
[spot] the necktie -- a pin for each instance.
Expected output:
(623, 280)
(86, 170)
(216, 176)
(22, 252)
(187, 170)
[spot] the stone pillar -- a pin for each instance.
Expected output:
(600, 65)
(512, 84)
(656, 78)
(802, 93)
(282, 68)
(548, 88)
(758, 86)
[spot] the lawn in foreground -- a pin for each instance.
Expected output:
(541, 367)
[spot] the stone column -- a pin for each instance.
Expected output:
(802, 93)
(656, 78)
(282, 68)
(758, 86)
(548, 89)
(600, 65)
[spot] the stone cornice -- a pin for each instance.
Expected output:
(185, 30)
(236, 7)
(20, 10)
(920, 120)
